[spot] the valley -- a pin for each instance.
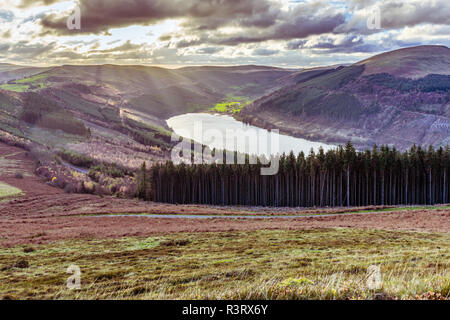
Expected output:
(364, 103)
(79, 146)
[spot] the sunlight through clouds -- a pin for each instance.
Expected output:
(175, 32)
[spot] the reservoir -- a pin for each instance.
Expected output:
(212, 130)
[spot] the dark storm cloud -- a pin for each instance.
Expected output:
(247, 13)
(398, 14)
(98, 16)
(255, 20)
(303, 25)
(301, 22)
(300, 27)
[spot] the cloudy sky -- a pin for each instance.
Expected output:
(287, 33)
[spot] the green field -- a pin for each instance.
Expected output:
(8, 191)
(232, 104)
(227, 107)
(38, 78)
(302, 264)
(35, 82)
(15, 87)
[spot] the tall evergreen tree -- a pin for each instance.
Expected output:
(383, 176)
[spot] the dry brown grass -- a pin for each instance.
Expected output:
(314, 264)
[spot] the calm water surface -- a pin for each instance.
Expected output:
(202, 126)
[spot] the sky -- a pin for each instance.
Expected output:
(175, 33)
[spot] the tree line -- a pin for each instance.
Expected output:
(338, 177)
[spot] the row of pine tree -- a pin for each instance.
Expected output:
(338, 177)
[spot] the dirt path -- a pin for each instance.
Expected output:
(46, 214)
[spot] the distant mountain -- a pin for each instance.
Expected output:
(400, 97)
(11, 72)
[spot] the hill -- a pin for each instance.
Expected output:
(400, 97)
(414, 62)
(153, 90)
(11, 72)
(117, 113)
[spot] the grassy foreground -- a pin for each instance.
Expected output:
(279, 264)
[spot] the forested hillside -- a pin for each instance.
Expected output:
(339, 177)
(388, 99)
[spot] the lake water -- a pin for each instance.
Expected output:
(213, 130)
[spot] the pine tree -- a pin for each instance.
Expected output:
(142, 183)
(349, 160)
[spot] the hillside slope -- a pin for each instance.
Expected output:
(166, 92)
(414, 62)
(117, 113)
(400, 97)
(11, 72)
